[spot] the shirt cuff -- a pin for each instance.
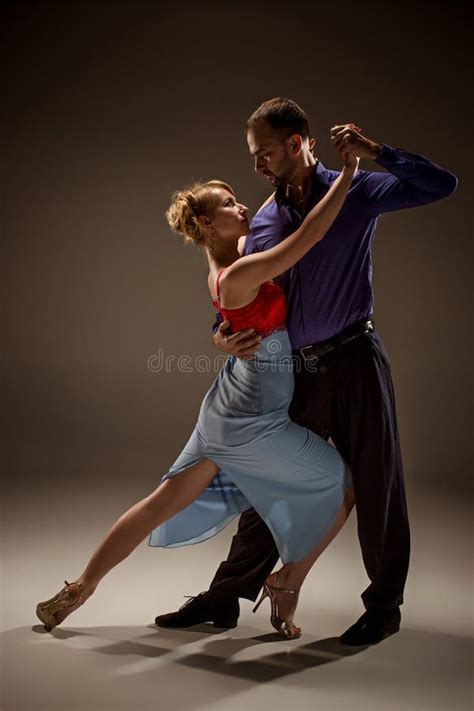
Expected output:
(387, 156)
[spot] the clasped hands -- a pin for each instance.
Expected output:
(348, 139)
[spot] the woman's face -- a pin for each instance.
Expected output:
(230, 217)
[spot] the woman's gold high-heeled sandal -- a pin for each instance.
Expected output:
(65, 598)
(286, 628)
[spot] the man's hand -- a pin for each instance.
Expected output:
(243, 344)
(349, 139)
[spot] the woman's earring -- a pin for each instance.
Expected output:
(212, 246)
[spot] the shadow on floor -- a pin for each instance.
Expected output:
(268, 667)
(202, 668)
(216, 655)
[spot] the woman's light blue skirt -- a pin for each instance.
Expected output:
(295, 480)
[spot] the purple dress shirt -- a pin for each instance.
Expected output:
(331, 286)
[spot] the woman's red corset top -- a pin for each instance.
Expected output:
(266, 313)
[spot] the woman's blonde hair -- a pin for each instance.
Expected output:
(189, 204)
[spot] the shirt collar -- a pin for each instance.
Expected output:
(320, 180)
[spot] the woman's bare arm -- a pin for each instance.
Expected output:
(247, 273)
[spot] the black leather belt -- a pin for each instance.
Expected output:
(314, 352)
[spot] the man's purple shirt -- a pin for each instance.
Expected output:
(331, 286)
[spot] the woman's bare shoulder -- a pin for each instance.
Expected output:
(232, 296)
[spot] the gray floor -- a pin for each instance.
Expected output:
(110, 656)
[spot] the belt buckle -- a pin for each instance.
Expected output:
(368, 328)
(309, 358)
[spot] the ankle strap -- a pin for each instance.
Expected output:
(279, 588)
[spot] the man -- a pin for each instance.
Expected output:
(343, 385)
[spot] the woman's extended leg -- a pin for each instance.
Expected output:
(134, 525)
(292, 575)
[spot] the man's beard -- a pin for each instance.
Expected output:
(286, 173)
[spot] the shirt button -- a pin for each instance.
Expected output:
(323, 369)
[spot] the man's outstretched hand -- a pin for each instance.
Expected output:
(348, 138)
(243, 344)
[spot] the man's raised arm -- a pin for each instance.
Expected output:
(413, 180)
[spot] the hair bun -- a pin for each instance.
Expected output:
(182, 218)
(189, 204)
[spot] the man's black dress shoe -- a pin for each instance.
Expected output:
(202, 608)
(374, 626)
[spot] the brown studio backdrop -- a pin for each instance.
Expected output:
(110, 107)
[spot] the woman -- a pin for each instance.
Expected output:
(244, 451)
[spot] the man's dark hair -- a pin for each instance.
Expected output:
(284, 115)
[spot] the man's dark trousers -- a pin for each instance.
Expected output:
(347, 396)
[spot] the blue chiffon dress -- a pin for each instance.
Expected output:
(294, 479)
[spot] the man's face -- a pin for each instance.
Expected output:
(272, 154)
